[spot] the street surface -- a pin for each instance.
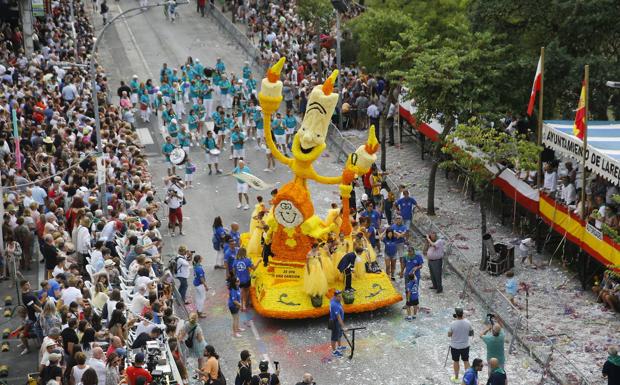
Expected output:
(390, 351)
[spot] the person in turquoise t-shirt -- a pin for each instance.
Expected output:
(166, 149)
(242, 186)
(290, 124)
(209, 143)
(207, 96)
(250, 86)
(237, 138)
(145, 110)
(192, 125)
(495, 341)
(247, 71)
(173, 129)
(194, 91)
(219, 65)
(226, 91)
(184, 139)
(277, 126)
(258, 121)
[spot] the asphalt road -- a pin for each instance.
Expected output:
(390, 351)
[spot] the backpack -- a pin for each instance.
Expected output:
(189, 341)
(173, 265)
(262, 380)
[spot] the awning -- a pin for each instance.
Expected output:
(507, 181)
(603, 154)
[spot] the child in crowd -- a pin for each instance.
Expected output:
(190, 169)
(511, 287)
(412, 297)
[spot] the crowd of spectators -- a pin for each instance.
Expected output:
(277, 30)
(106, 291)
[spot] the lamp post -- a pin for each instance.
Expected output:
(93, 82)
(339, 6)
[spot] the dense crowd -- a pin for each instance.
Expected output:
(105, 291)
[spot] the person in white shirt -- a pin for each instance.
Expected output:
(551, 179)
(182, 273)
(72, 293)
(139, 301)
(83, 242)
(569, 194)
(96, 362)
(174, 200)
(146, 325)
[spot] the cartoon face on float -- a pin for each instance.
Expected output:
(309, 141)
(287, 214)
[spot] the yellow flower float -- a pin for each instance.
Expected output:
(301, 271)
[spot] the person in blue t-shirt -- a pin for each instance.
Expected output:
(413, 264)
(471, 375)
(406, 205)
(413, 297)
(336, 321)
(401, 232)
(372, 214)
(241, 267)
(200, 286)
(390, 251)
(234, 303)
(230, 253)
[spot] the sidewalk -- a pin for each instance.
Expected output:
(19, 366)
(578, 327)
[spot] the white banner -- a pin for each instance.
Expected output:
(596, 161)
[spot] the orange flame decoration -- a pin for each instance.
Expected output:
(273, 73)
(328, 86)
(372, 144)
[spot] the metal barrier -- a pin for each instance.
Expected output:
(554, 363)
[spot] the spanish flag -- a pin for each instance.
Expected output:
(579, 127)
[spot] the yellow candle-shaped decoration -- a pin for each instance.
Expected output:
(271, 85)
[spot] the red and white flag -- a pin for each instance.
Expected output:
(535, 87)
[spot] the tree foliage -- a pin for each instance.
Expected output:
(313, 11)
(574, 32)
(471, 147)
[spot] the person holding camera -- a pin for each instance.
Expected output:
(459, 332)
(175, 200)
(264, 377)
(494, 341)
(435, 249)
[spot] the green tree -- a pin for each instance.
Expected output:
(452, 77)
(482, 154)
(377, 28)
(317, 12)
(574, 32)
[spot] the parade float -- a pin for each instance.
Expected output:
(302, 271)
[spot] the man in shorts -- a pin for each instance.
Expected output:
(290, 125)
(209, 144)
(242, 186)
(336, 321)
(166, 149)
(258, 121)
(237, 137)
(459, 332)
(277, 127)
(174, 200)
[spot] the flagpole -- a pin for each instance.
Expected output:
(540, 113)
(586, 82)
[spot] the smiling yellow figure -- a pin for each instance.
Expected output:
(308, 145)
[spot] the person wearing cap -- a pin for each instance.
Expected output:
(336, 321)
(136, 370)
(459, 332)
(51, 371)
(264, 377)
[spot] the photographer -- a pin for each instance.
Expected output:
(495, 341)
(459, 332)
(175, 200)
(435, 249)
(264, 377)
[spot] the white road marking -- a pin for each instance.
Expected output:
(135, 43)
(145, 136)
